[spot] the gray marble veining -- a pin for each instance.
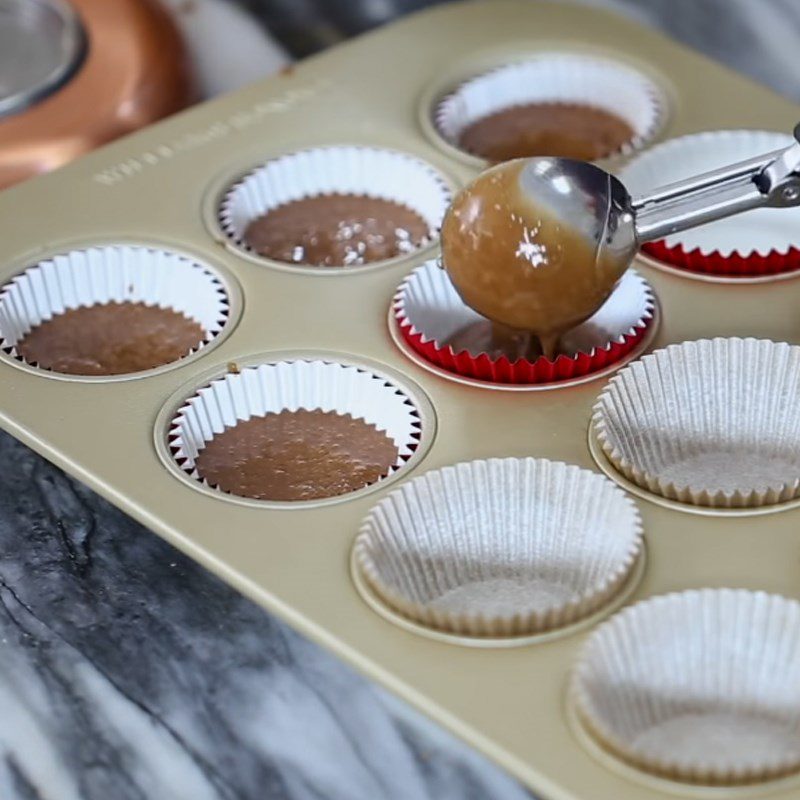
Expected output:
(128, 672)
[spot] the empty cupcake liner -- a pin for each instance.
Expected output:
(557, 78)
(429, 312)
(500, 547)
(699, 686)
(110, 274)
(709, 422)
(764, 241)
(289, 386)
(351, 170)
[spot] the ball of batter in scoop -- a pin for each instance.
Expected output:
(516, 263)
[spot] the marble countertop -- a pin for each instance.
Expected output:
(127, 672)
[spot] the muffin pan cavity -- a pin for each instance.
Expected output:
(435, 323)
(295, 431)
(759, 245)
(110, 312)
(557, 103)
(701, 687)
(336, 208)
(500, 548)
(711, 423)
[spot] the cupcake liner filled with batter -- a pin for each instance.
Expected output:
(336, 207)
(709, 422)
(699, 686)
(501, 547)
(110, 310)
(438, 325)
(553, 104)
(763, 241)
(294, 431)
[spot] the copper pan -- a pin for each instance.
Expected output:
(135, 71)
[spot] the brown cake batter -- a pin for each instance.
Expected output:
(483, 336)
(110, 339)
(336, 230)
(546, 129)
(519, 267)
(297, 455)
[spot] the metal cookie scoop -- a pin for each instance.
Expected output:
(599, 206)
(539, 244)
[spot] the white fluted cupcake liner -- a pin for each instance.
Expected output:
(709, 422)
(500, 547)
(429, 312)
(351, 170)
(699, 686)
(761, 241)
(557, 77)
(111, 274)
(290, 386)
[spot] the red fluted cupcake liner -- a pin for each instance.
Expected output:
(429, 313)
(743, 265)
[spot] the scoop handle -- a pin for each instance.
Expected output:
(772, 179)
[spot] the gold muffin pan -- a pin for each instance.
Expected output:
(161, 187)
